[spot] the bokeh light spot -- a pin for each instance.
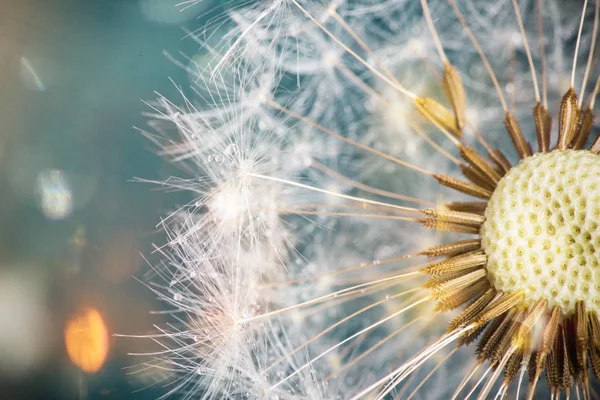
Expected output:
(86, 338)
(55, 197)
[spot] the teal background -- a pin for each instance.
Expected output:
(73, 75)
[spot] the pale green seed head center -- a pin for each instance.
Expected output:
(541, 232)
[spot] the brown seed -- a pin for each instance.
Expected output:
(502, 163)
(568, 118)
(454, 216)
(463, 296)
(499, 306)
(516, 135)
(438, 115)
(471, 156)
(543, 124)
(455, 264)
(473, 207)
(464, 187)
(468, 315)
(442, 226)
(450, 288)
(455, 93)
(453, 248)
(585, 128)
(477, 177)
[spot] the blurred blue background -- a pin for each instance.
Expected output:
(73, 223)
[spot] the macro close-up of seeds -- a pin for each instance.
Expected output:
(350, 199)
(390, 199)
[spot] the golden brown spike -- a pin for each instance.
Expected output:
(559, 358)
(470, 336)
(437, 280)
(594, 326)
(455, 264)
(554, 362)
(545, 356)
(531, 367)
(568, 119)
(453, 248)
(550, 334)
(455, 93)
(463, 296)
(596, 146)
(490, 342)
(450, 288)
(506, 341)
(513, 366)
(567, 367)
(500, 160)
(524, 342)
(543, 124)
(438, 115)
(469, 314)
(491, 328)
(476, 177)
(534, 313)
(463, 187)
(585, 128)
(516, 135)
(570, 343)
(473, 207)
(454, 216)
(499, 307)
(595, 360)
(471, 156)
(581, 324)
(442, 226)
(522, 339)
(581, 332)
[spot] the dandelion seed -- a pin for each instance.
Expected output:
(375, 183)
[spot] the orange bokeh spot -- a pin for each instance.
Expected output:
(86, 338)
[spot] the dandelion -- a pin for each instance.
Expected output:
(389, 199)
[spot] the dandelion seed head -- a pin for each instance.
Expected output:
(363, 186)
